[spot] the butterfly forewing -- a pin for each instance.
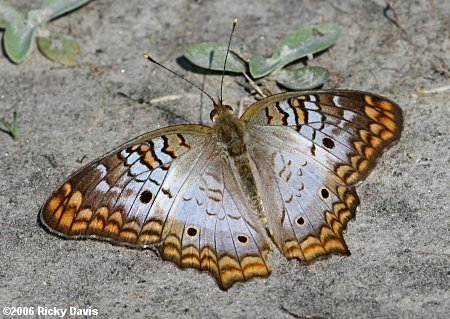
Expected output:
(309, 149)
(122, 196)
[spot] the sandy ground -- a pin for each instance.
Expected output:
(400, 261)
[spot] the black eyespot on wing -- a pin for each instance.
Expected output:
(328, 142)
(146, 196)
(300, 221)
(191, 231)
(243, 239)
(324, 192)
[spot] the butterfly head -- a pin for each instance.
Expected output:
(229, 130)
(220, 109)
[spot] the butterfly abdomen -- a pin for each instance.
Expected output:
(242, 164)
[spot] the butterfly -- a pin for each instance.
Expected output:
(220, 198)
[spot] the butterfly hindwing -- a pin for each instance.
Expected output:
(213, 228)
(309, 149)
(308, 205)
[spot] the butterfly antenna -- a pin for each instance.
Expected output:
(235, 20)
(148, 57)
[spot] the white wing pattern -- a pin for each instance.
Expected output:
(166, 188)
(309, 149)
(214, 198)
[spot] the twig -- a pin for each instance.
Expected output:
(436, 90)
(294, 315)
(168, 98)
(393, 19)
(254, 85)
(80, 160)
(155, 101)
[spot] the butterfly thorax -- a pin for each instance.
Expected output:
(230, 134)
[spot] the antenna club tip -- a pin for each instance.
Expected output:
(235, 21)
(148, 57)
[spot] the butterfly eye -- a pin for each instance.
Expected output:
(229, 108)
(213, 115)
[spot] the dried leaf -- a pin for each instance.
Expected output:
(59, 47)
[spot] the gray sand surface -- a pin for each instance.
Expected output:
(399, 265)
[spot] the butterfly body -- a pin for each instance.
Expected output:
(216, 198)
(232, 136)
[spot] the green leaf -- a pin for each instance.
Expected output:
(59, 47)
(295, 46)
(55, 8)
(19, 34)
(9, 14)
(260, 66)
(301, 79)
(13, 127)
(211, 55)
(18, 38)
